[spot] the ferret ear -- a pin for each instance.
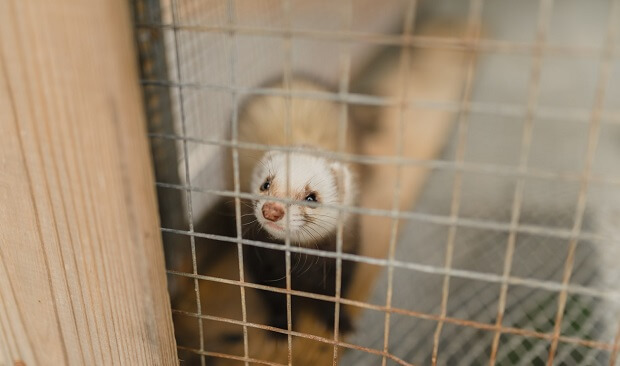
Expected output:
(342, 173)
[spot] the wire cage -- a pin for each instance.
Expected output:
(491, 239)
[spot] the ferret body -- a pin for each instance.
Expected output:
(313, 181)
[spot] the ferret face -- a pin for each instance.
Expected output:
(312, 179)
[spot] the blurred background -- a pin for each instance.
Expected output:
(532, 187)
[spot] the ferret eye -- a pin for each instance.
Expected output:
(265, 185)
(311, 197)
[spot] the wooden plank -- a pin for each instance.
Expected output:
(82, 278)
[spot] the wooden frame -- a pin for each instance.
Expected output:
(82, 276)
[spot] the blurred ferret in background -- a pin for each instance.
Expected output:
(316, 180)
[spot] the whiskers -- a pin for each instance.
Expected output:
(312, 230)
(244, 216)
(246, 204)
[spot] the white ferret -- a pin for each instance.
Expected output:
(314, 126)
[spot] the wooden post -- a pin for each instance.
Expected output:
(82, 278)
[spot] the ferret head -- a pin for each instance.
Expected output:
(313, 180)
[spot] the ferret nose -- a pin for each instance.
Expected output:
(273, 211)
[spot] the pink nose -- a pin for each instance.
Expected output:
(273, 211)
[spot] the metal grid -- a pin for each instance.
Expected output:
(475, 44)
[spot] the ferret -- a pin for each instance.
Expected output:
(315, 181)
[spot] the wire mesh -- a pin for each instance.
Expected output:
(510, 254)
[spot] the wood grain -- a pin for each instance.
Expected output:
(82, 278)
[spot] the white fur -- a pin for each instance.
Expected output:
(332, 181)
(313, 123)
